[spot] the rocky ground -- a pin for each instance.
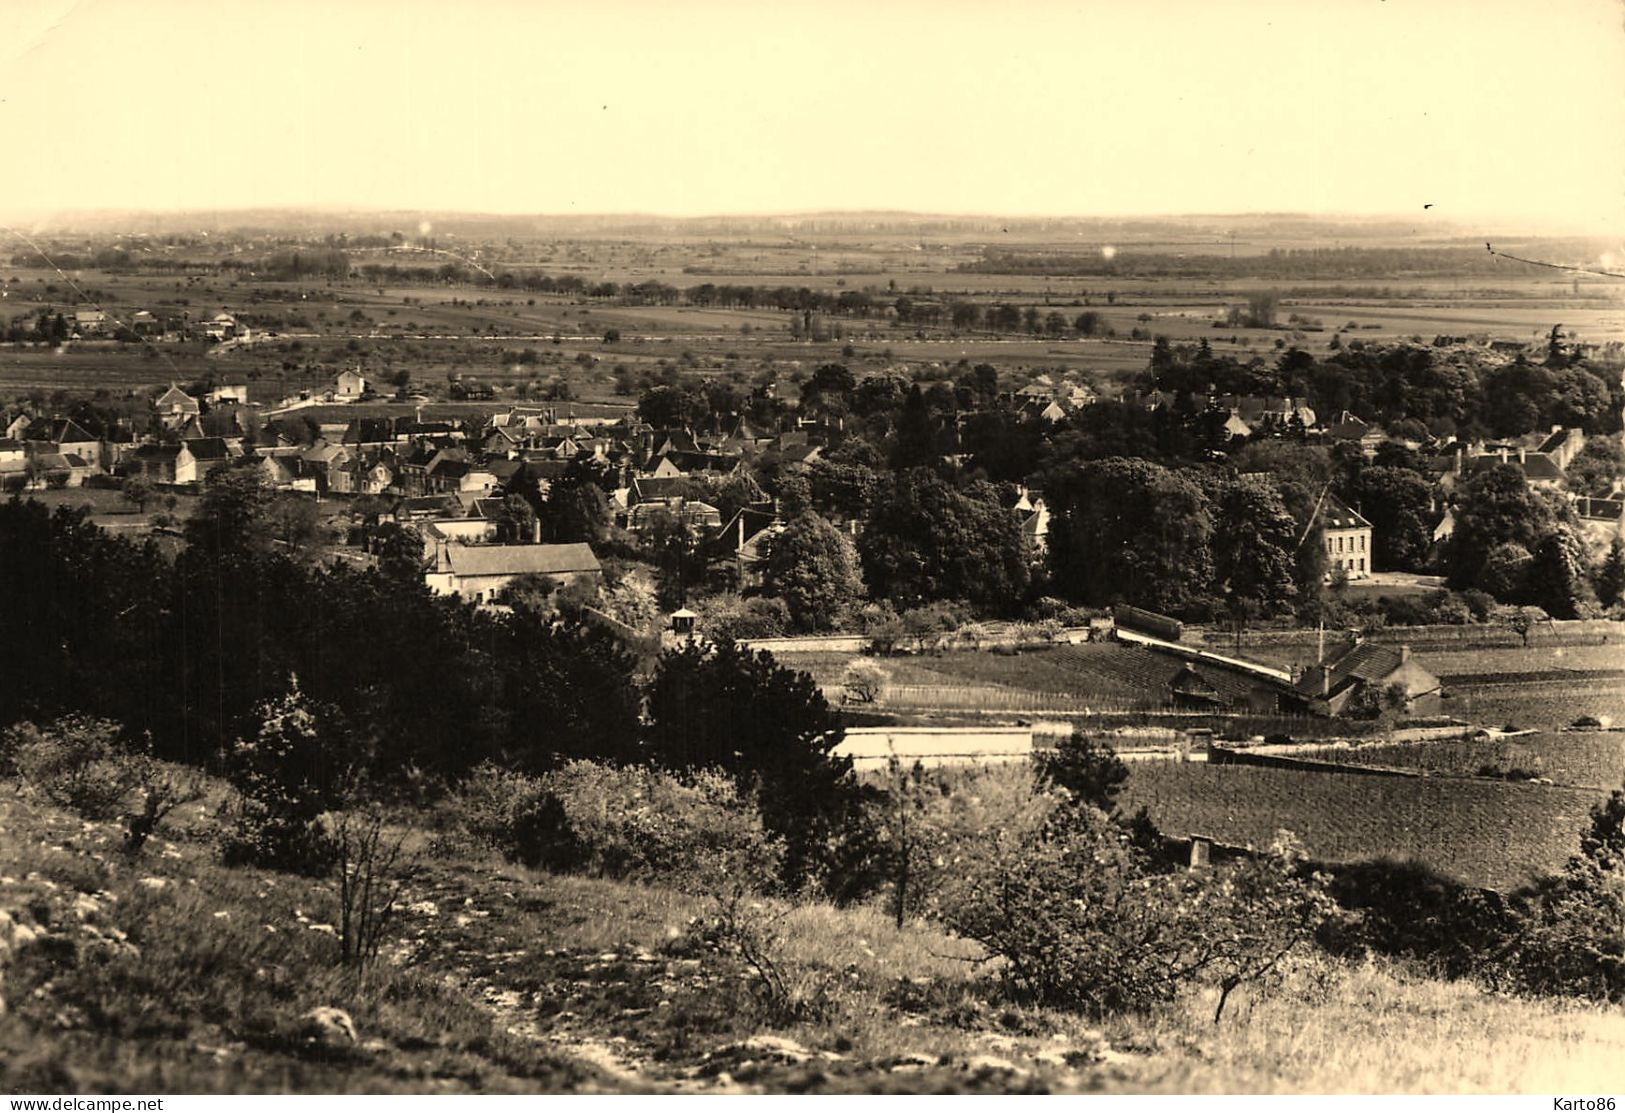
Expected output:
(165, 972)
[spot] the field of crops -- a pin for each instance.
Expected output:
(1539, 657)
(1586, 759)
(1540, 704)
(1079, 671)
(1495, 834)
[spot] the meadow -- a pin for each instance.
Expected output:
(433, 329)
(166, 972)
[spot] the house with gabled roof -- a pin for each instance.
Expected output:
(458, 476)
(61, 435)
(742, 544)
(1363, 666)
(349, 385)
(62, 469)
(1562, 446)
(1348, 429)
(211, 453)
(742, 433)
(424, 508)
(480, 572)
(281, 468)
(1601, 521)
(1538, 469)
(13, 423)
(504, 440)
(175, 401)
(222, 326)
(163, 463)
(1347, 538)
(698, 516)
(89, 322)
(671, 440)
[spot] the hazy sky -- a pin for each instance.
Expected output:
(1482, 108)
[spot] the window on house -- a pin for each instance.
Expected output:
(1362, 564)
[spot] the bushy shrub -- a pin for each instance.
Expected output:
(1047, 608)
(1410, 911)
(1570, 941)
(75, 762)
(286, 776)
(934, 829)
(1083, 925)
(732, 618)
(632, 823)
(863, 682)
(1075, 923)
(1088, 769)
(1559, 937)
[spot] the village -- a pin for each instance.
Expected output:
(881, 549)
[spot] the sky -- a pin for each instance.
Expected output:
(1480, 108)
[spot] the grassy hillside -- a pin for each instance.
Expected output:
(170, 973)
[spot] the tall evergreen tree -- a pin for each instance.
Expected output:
(1611, 576)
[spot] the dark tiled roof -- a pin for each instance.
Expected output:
(646, 488)
(1367, 662)
(60, 430)
(209, 448)
(1336, 514)
(1556, 440)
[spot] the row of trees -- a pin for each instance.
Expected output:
(1466, 393)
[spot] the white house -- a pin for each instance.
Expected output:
(1348, 538)
(349, 386)
(480, 572)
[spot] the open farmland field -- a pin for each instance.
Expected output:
(1098, 686)
(1448, 651)
(84, 368)
(1580, 758)
(1549, 659)
(1494, 834)
(1541, 704)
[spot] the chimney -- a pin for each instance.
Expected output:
(1503, 452)
(1404, 654)
(536, 532)
(1461, 459)
(1201, 851)
(1522, 455)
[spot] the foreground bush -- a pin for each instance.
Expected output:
(285, 779)
(76, 762)
(1560, 937)
(1082, 925)
(695, 830)
(1572, 927)
(935, 830)
(770, 729)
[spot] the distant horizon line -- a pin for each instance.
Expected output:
(102, 213)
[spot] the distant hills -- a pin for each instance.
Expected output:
(323, 221)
